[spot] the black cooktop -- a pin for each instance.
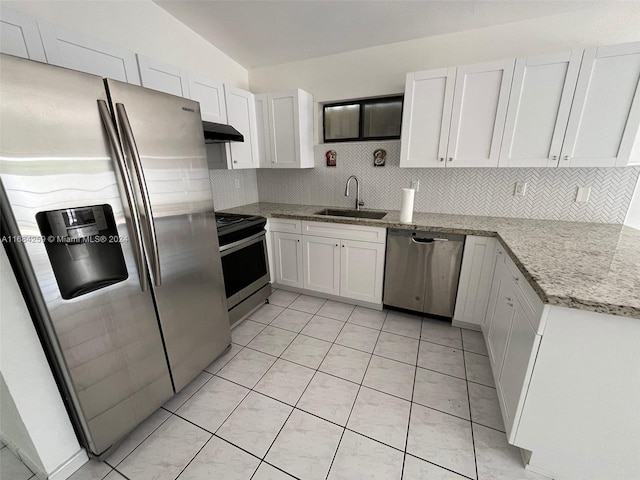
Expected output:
(233, 226)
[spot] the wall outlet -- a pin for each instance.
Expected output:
(582, 194)
(237, 183)
(415, 184)
(521, 189)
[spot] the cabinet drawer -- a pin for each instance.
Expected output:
(285, 225)
(345, 232)
(531, 303)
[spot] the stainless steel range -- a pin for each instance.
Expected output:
(245, 264)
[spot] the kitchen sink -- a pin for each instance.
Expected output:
(342, 212)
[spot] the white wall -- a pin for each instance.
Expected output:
(382, 70)
(42, 435)
(140, 26)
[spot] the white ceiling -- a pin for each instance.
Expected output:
(270, 32)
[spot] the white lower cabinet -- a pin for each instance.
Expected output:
(321, 264)
(513, 329)
(521, 347)
(361, 267)
(476, 274)
(501, 318)
(287, 253)
(334, 260)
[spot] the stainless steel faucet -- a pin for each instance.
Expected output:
(359, 203)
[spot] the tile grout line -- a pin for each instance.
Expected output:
(316, 370)
(335, 454)
(413, 389)
(239, 403)
(473, 440)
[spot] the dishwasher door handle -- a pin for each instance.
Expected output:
(426, 241)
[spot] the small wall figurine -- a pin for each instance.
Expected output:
(332, 157)
(379, 157)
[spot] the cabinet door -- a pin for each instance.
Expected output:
(19, 35)
(262, 122)
(210, 95)
(162, 77)
(283, 121)
(321, 264)
(519, 357)
(479, 108)
(476, 274)
(361, 270)
(241, 114)
(501, 321)
(605, 115)
(428, 99)
(288, 259)
(78, 52)
(539, 105)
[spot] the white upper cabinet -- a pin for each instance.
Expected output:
(163, 77)
(539, 106)
(262, 121)
(78, 52)
(210, 95)
(479, 110)
(428, 100)
(290, 129)
(19, 35)
(605, 116)
(241, 114)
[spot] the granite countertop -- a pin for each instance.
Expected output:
(588, 266)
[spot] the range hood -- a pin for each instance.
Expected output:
(220, 133)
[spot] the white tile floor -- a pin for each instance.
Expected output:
(315, 389)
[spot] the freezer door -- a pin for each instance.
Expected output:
(164, 145)
(55, 154)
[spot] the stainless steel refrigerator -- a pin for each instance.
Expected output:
(108, 219)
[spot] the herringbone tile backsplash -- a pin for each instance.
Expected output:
(472, 191)
(225, 192)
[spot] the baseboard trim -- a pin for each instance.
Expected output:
(467, 325)
(69, 467)
(337, 298)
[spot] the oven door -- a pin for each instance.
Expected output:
(245, 267)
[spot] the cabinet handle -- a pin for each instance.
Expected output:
(342, 246)
(451, 159)
(298, 241)
(566, 158)
(235, 161)
(508, 299)
(554, 158)
(336, 244)
(517, 279)
(499, 252)
(442, 159)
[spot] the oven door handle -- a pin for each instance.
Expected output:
(226, 249)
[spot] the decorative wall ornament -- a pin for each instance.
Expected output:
(379, 157)
(332, 158)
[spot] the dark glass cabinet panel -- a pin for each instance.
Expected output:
(367, 119)
(382, 119)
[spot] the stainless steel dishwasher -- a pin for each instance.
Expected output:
(422, 271)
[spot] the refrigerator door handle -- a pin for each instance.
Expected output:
(144, 192)
(110, 128)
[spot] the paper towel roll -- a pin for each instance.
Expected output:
(406, 208)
